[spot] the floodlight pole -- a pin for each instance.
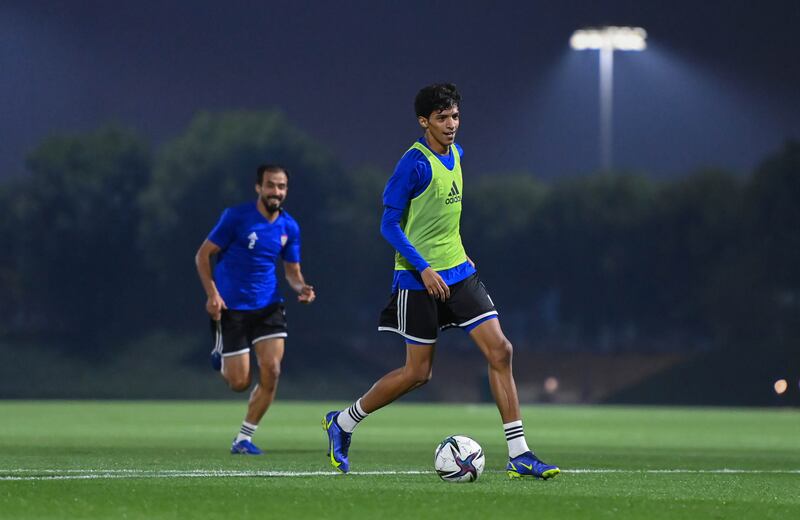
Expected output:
(607, 40)
(606, 105)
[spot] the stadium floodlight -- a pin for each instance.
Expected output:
(615, 38)
(607, 40)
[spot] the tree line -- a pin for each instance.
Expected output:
(101, 232)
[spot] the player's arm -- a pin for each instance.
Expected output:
(410, 178)
(305, 292)
(214, 302)
(393, 233)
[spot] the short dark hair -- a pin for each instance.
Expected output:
(435, 98)
(272, 168)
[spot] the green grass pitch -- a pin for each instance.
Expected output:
(170, 460)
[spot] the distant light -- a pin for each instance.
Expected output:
(780, 386)
(551, 385)
(616, 38)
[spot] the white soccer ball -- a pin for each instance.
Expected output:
(459, 459)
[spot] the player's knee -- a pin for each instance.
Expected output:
(238, 382)
(420, 375)
(270, 372)
(500, 355)
(426, 376)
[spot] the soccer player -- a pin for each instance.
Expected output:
(435, 284)
(244, 303)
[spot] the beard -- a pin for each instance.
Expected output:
(272, 204)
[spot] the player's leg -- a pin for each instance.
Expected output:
(340, 424)
(413, 315)
(471, 308)
(269, 353)
(232, 348)
(417, 371)
(265, 330)
(236, 370)
(498, 351)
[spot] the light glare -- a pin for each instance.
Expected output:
(615, 38)
(551, 385)
(780, 386)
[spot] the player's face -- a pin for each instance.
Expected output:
(272, 190)
(441, 127)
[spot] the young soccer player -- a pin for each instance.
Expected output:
(435, 284)
(244, 303)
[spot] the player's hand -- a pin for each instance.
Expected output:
(214, 306)
(306, 294)
(434, 284)
(471, 262)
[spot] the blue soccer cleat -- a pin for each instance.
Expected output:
(338, 442)
(244, 447)
(216, 360)
(528, 465)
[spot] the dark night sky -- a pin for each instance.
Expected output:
(718, 86)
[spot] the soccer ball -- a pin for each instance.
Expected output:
(459, 459)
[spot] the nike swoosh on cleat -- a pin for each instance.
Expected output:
(334, 463)
(526, 466)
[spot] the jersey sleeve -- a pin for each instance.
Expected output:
(410, 178)
(224, 232)
(460, 150)
(291, 251)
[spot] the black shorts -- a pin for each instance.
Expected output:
(238, 330)
(418, 316)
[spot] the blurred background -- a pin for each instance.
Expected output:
(661, 270)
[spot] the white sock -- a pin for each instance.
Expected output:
(349, 418)
(246, 432)
(515, 437)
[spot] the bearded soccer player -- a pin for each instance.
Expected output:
(244, 303)
(435, 284)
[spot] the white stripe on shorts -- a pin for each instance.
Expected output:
(237, 353)
(270, 336)
(476, 318)
(399, 300)
(402, 309)
(407, 336)
(405, 310)
(218, 338)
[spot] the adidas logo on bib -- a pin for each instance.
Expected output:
(454, 195)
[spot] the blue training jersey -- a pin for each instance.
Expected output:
(250, 245)
(411, 177)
